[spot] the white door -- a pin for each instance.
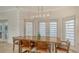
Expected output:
(3, 31)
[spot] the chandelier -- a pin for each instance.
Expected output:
(41, 12)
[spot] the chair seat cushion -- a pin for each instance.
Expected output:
(60, 48)
(26, 49)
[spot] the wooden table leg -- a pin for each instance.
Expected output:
(55, 48)
(20, 49)
(13, 45)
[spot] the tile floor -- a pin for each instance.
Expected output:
(6, 48)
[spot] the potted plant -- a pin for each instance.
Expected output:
(38, 36)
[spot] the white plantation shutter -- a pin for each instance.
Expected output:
(70, 30)
(42, 28)
(53, 29)
(29, 28)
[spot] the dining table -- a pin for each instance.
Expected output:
(34, 39)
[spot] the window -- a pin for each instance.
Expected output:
(29, 28)
(70, 30)
(6, 30)
(42, 28)
(0, 31)
(53, 29)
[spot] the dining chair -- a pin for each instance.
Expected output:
(24, 45)
(62, 46)
(42, 46)
(15, 42)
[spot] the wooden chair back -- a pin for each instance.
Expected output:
(15, 42)
(42, 45)
(25, 43)
(64, 46)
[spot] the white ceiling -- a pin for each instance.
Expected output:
(2, 8)
(33, 10)
(29, 7)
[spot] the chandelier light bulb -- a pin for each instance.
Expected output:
(32, 16)
(43, 15)
(36, 16)
(48, 15)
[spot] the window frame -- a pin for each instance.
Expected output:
(25, 28)
(54, 20)
(63, 27)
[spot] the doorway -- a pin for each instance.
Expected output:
(3, 30)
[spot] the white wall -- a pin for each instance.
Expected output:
(13, 23)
